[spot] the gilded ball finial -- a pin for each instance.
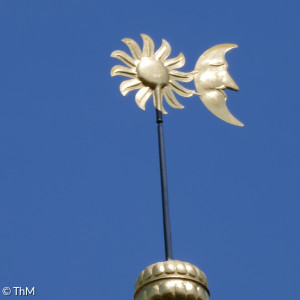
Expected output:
(171, 280)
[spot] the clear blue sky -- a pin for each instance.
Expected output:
(79, 173)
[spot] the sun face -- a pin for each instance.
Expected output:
(152, 73)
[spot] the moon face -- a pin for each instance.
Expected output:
(211, 79)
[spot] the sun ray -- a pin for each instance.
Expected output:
(157, 100)
(142, 96)
(171, 99)
(123, 71)
(133, 47)
(176, 62)
(163, 52)
(124, 57)
(181, 76)
(181, 90)
(148, 46)
(130, 85)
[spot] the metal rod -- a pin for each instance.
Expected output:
(164, 187)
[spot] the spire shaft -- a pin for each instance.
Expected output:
(164, 187)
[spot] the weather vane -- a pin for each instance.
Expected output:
(152, 73)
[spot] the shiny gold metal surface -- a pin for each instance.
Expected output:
(152, 73)
(211, 78)
(171, 280)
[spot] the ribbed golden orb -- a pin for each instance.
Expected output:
(171, 280)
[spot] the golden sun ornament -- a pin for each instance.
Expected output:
(153, 74)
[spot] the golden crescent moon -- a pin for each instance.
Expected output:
(211, 79)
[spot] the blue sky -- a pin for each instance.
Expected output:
(79, 172)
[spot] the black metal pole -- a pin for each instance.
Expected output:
(164, 187)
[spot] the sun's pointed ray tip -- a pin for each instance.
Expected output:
(166, 43)
(112, 71)
(148, 45)
(145, 36)
(163, 52)
(133, 47)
